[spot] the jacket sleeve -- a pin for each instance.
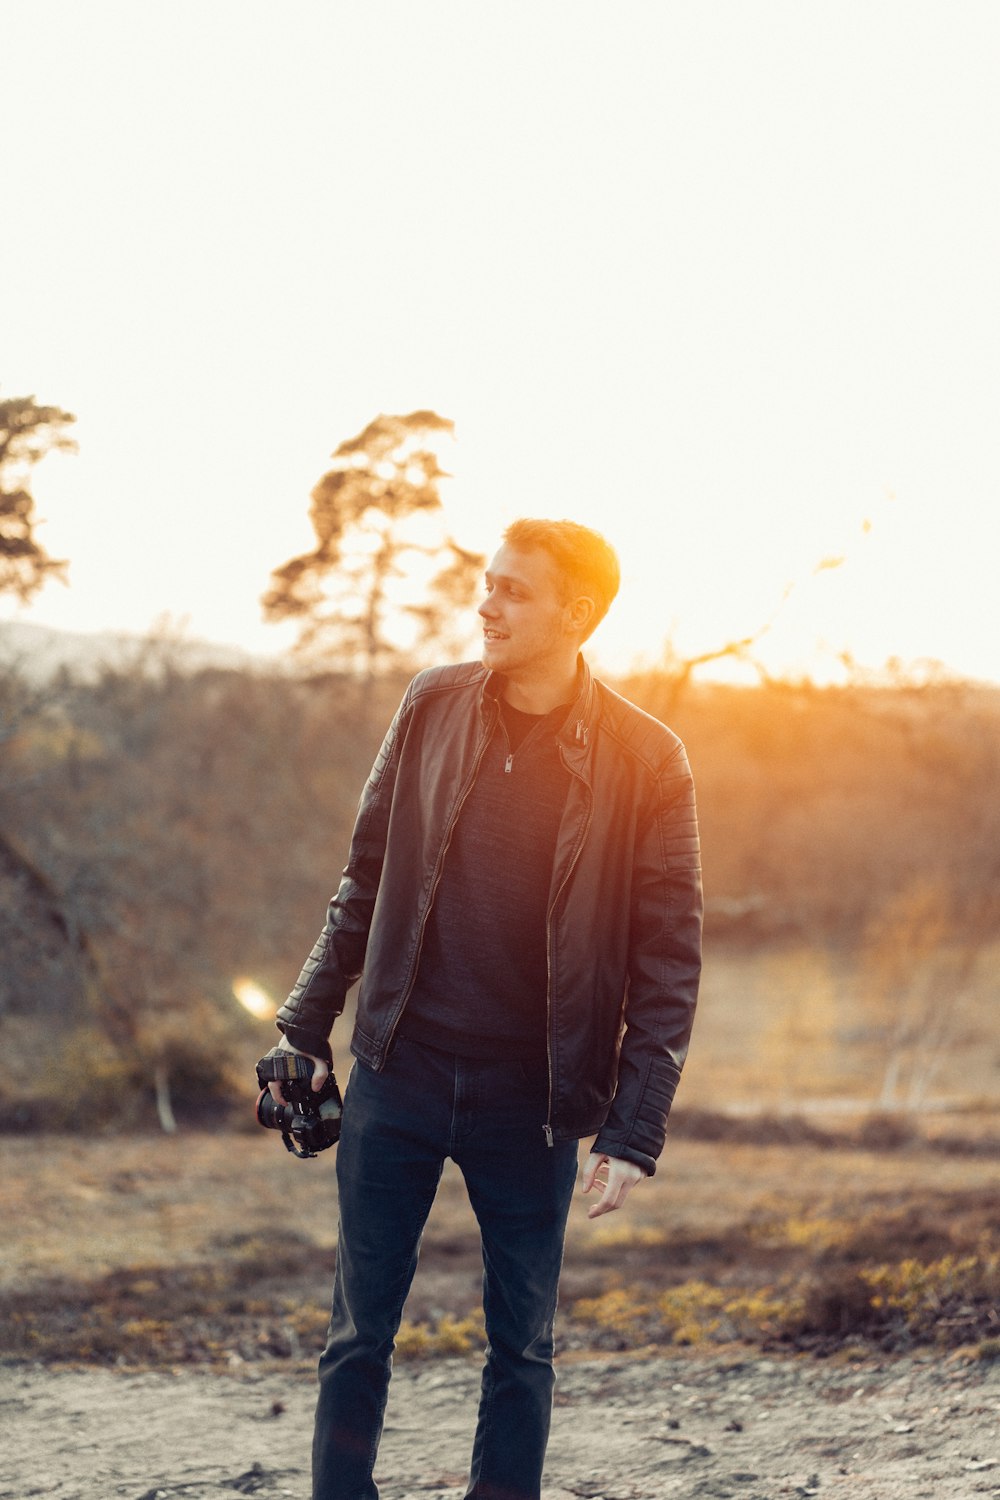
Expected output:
(338, 956)
(664, 968)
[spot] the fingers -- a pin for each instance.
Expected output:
(613, 1197)
(591, 1168)
(614, 1178)
(321, 1072)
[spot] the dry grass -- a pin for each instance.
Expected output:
(218, 1249)
(814, 1224)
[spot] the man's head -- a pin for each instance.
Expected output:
(547, 588)
(585, 563)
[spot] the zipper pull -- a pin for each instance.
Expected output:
(508, 765)
(548, 1134)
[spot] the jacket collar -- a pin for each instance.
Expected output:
(577, 728)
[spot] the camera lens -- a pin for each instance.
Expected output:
(271, 1114)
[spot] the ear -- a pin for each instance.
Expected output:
(580, 614)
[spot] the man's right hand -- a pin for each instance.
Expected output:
(321, 1071)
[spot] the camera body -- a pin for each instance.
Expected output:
(309, 1122)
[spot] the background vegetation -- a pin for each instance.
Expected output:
(164, 832)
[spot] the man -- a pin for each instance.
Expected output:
(522, 902)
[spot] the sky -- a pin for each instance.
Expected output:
(717, 278)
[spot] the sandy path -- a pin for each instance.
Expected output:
(622, 1430)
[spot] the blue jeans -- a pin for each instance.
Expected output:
(399, 1126)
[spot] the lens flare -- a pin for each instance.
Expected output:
(257, 1001)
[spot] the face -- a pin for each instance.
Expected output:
(527, 628)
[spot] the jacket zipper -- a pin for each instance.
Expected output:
(437, 881)
(547, 1127)
(508, 764)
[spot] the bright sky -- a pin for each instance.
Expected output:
(718, 278)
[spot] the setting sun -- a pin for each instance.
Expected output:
(721, 318)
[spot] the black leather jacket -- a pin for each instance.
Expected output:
(624, 923)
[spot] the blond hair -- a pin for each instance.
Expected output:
(587, 564)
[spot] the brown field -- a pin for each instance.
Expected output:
(217, 1250)
(787, 1212)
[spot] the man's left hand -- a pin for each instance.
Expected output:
(615, 1177)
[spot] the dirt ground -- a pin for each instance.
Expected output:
(134, 1254)
(623, 1429)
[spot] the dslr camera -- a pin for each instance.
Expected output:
(309, 1122)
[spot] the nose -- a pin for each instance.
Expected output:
(488, 609)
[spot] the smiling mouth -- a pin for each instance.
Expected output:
(493, 635)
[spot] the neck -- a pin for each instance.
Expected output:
(541, 694)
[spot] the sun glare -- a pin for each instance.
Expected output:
(257, 1001)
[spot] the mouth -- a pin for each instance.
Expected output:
(493, 635)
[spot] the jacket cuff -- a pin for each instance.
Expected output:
(625, 1153)
(304, 1040)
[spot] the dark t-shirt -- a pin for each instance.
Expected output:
(482, 982)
